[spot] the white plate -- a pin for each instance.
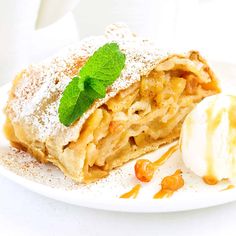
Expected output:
(104, 194)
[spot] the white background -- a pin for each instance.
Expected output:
(208, 26)
(25, 213)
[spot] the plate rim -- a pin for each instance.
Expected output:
(123, 205)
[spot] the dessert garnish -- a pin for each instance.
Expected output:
(100, 71)
(133, 193)
(230, 186)
(170, 184)
(145, 169)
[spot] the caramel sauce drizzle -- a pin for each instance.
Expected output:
(230, 186)
(232, 113)
(212, 124)
(210, 180)
(170, 184)
(133, 193)
(165, 156)
(232, 125)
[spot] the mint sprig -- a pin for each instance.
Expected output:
(100, 71)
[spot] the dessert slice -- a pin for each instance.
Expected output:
(142, 110)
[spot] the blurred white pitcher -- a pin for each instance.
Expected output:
(16, 25)
(20, 43)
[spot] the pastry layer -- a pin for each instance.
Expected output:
(142, 110)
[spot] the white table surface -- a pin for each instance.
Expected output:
(24, 213)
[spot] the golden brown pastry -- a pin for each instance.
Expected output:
(143, 109)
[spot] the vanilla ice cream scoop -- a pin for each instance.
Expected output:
(208, 139)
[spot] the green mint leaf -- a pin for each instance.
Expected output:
(94, 88)
(105, 65)
(77, 98)
(67, 109)
(100, 71)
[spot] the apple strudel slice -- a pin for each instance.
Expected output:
(142, 110)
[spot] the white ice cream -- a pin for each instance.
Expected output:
(208, 139)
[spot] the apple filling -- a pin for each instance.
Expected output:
(141, 118)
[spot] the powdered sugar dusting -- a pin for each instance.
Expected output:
(24, 165)
(39, 90)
